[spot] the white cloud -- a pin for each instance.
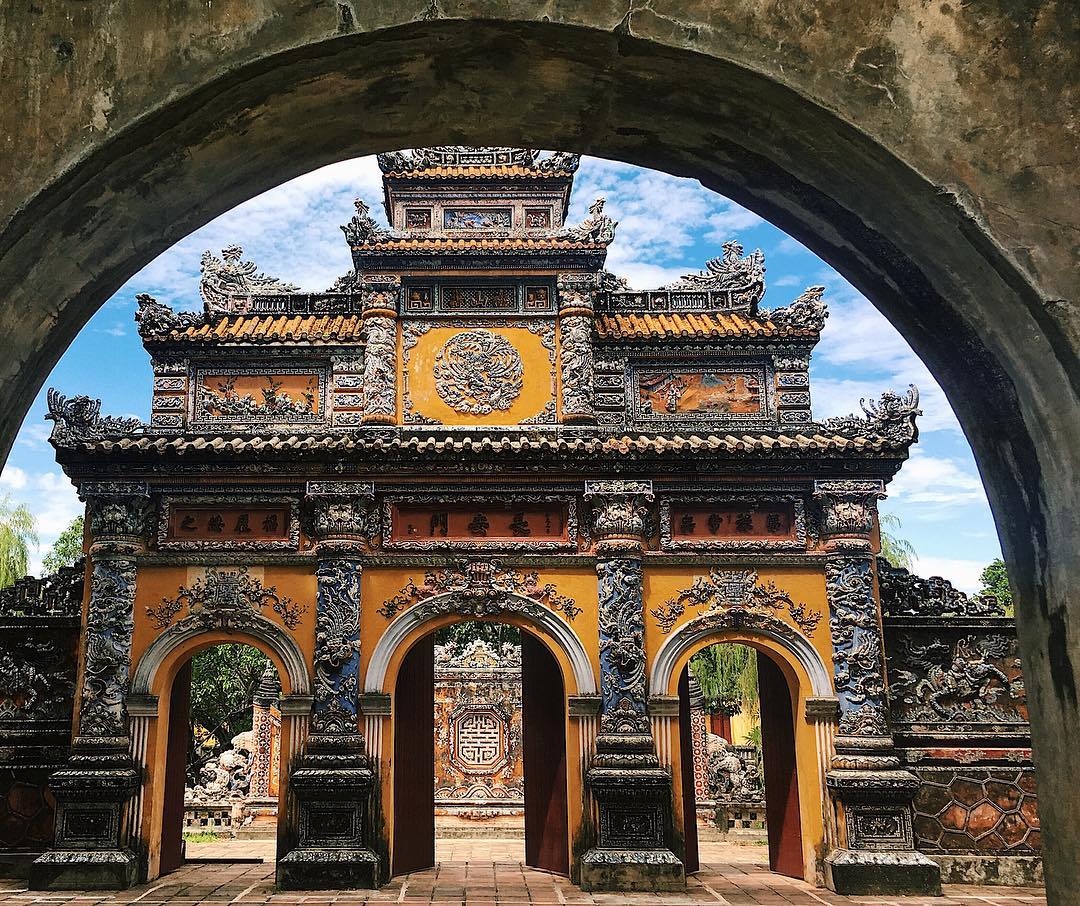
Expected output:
(33, 434)
(786, 280)
(859, 339)
(964, 574)
(13, 477)
(936, 482)
(725, 223)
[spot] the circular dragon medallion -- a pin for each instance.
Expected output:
(477, 372)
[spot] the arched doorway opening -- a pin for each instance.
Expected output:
(739, 751)
(223, 760)
(795, 693)
(160, 683)
(478, 737)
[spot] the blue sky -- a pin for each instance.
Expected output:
(667, 227)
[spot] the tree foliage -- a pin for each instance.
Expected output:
(495, 634)
(66, 549)
(727, 675)
(223, 682)
(17, 535)
(995, 581)
(898, 551)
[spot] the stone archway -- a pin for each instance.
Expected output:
(945, 199)
(802, 722)
(152, 685)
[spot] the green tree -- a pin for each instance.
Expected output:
(495, 634)
(223, 681)
(66, 549)
(898, 551)
(727, 675)
(17, 535)
(995, 581)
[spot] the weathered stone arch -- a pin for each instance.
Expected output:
(544, 620)
(686, 636)
(925, 150)
(257, 627)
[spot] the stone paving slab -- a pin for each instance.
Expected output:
(491, 873)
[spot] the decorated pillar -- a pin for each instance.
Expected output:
(632, 792)
(380, 309)
(333, 781)
(576, 293)
(871, 792)
(91, 848)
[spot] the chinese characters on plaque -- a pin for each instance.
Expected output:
(492, 522)
(725, 521)
(228, 524)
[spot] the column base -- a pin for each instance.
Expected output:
(328, 869)
(109, 869)
(858, 872)
(636, 870)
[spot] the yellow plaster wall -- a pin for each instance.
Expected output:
(537, 389)
(158, 582)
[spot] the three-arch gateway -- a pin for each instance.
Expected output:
(480, 422)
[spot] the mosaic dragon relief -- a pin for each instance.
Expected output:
(974, 679)
(464, 389)
(479, 589)
(728, 590)
(337, 646)
(109, 626)
(622, 646)
(229, 600)
(477, 372)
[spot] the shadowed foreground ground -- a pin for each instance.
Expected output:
(490, 872)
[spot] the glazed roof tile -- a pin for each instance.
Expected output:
(273, 329)
(459, 243)
(623, 445)
(634, 325)
(504, 171)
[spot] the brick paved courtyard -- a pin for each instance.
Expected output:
(487, 872)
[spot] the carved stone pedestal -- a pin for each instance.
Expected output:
(873, 797)
(332, 787)
(633, 801)
(90, 850)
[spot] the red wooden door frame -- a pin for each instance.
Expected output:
(172, 810)
(779, 767)
(543, 723)
(414, 760)
(691, 857)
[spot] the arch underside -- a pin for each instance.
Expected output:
(407, 626)
(1006, 358)
(296, 679)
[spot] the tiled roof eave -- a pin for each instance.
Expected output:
(778, 445)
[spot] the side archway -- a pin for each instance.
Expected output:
(798, 739)
(549, 626)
